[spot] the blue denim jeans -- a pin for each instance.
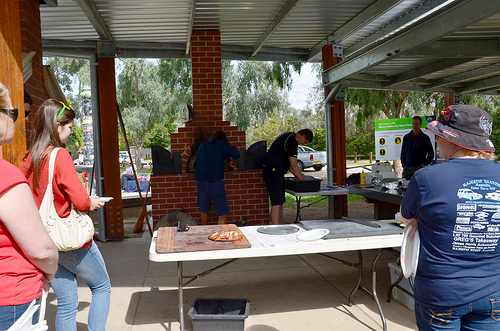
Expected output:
(10, 314)
(482, 314)
(88, 265)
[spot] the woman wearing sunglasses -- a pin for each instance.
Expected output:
(28, 257)
(53, 126)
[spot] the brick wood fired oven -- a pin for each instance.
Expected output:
(246, 191)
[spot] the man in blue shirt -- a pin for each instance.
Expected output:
(417, 151)
(209, 172)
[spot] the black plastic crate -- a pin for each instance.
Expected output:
(306, 185)
(219, 314)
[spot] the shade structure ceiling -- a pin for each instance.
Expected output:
(449, 46)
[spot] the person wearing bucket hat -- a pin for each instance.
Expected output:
(456, 207)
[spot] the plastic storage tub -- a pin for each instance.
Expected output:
(219, 314)
(306, 185)
(397, 294)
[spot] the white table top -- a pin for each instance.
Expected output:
(324, 192)
(292, 247)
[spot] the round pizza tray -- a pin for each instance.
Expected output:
(278, 229)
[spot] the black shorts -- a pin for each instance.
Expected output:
(275, 183)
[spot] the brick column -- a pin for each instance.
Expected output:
(31, 40)
(246, 191)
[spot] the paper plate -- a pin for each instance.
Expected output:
(105, 199)
(409, 254)
(313, 234)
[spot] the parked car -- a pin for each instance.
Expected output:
(308, 157)
(123, 155)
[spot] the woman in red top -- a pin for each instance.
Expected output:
(53, 126)
(28, 257)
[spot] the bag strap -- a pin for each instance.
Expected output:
(52, 161)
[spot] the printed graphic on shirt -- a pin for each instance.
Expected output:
(477, 223)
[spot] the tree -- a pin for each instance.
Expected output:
(282, 119)
(144, 101)
(489, 103)
(370, 105)
(71, 73)
(252, 90)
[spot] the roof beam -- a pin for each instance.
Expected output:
(478, 85)
(452, 19)
(275, 23)
(428, 69)
(95, 18)
(192, 10)
(81, 49)
(458, 48)
(374, 11)
(466, 76)
(394, 25)
(372, 85)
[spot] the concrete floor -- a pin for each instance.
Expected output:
(307, 292)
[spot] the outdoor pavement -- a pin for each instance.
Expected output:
(306, 292)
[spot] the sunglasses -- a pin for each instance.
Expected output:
(10, 112)
(62, 110)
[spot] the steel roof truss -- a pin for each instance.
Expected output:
(483, 84)
(466, 76)
(394, 25)
(456, 18)
(275, 23)
(95, 18)
(428, 69)
(192, 10)
(364, 18)
(458, 48)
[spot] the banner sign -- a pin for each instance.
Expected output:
(389, 136)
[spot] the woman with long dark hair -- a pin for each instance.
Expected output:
(53, 126)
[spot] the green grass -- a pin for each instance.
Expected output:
(291, 202)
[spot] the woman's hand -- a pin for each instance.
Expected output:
(412, 226)
(46, 285)
(95, 203)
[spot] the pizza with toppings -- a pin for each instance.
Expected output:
(225, 236)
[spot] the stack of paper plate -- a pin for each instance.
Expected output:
(409, 253)
(313, 234)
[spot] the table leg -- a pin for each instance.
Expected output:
(180, 293)
(298, 218)
(374, 290)
(373, 293)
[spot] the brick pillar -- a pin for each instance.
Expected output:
(338, 137)
(31, 40)
(246, 191)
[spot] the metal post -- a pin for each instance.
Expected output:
(180, 294)
(329, 146)
(96, 127)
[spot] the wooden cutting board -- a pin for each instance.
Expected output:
(196, 239)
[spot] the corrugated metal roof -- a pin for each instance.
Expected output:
(385, 44)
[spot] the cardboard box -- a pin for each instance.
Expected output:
(397, 294)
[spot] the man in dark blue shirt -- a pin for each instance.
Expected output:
(417, 151)
(209, 172)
